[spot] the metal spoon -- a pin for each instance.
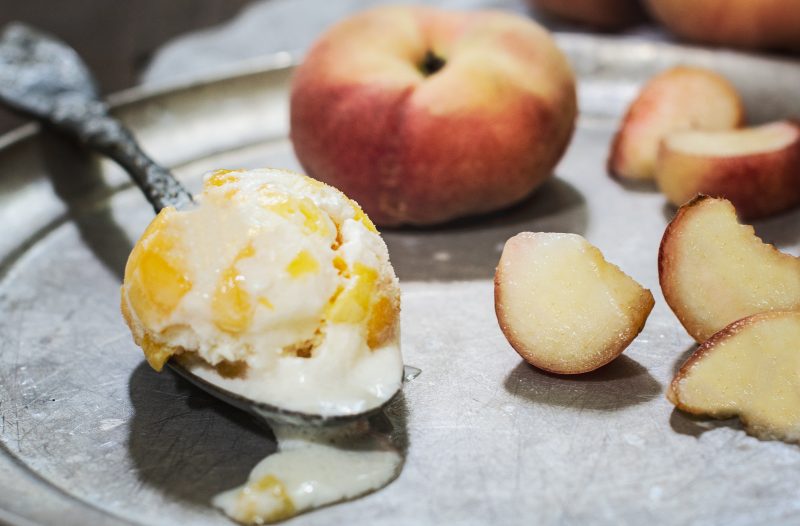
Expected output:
(43, 77)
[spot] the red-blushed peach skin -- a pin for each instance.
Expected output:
(669, 262)
(602, 14)
(475, 136)
(713, 270)
(679, 98)
(736, 23)
(758, 184)
(564, 308)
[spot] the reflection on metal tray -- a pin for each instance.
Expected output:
(90, 435)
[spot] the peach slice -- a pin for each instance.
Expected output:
(681, 98)
(758, 168)
(748, 369)
(714, 271)
(562, 306)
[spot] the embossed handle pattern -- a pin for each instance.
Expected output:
(42, 77)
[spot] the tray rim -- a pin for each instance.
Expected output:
(292, 58)
(264, 65)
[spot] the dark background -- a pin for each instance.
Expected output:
(115, 37)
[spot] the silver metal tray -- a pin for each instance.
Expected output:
(90, 435)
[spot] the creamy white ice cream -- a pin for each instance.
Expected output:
(276, 282)
(313, 468)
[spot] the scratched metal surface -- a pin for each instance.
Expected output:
(90, 435)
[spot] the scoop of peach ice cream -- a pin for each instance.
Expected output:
(276, 284)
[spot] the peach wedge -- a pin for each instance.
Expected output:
(562, 306)
(681, 98)
(714, 271)
(758, 168)
(748, 369)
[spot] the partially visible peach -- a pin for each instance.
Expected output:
(601, 14)
(737, 23)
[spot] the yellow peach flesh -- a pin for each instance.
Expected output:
(562, 306)
(352, 305)
(157, 274)
(749, 370)
(303, 263)
(748, 141)
(715, 271)
(253, 494)
(231, 305)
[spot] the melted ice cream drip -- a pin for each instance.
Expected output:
(313, 467)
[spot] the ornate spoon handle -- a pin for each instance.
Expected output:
(42, 77)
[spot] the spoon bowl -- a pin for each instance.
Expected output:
(269, 411)
(44, 78)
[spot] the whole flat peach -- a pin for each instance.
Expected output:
(424, 115)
